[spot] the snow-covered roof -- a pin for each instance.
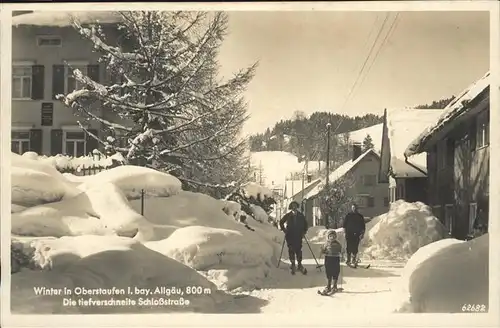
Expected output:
(294, 187)
(375, 131)
(454, 110)
(64, 18)
(339, 173)
(404, 125)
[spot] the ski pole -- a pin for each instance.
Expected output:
(281, 254)
(318, 266)
(340, 276)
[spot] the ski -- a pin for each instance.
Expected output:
(359, 266)
(338, 290)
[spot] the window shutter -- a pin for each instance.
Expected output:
(58, 77)
(36, 141)
(56, 142)
(91, 142)
(37, 84)
(93, 72)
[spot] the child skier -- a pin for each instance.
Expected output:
(332, 250)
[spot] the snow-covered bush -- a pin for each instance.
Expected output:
(255, 201)
(399, 233)
(64, 163)
(22, 257)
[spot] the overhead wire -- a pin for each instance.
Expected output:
(392, 28)
(381, 28)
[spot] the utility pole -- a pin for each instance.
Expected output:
(328, 126)
(304, 175)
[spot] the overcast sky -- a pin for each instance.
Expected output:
(309, 61)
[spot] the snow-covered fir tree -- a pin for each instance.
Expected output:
(336, 199)
(172, 111)
(368, 143)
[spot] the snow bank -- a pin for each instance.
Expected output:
(34, 183)
(194, 228)
(443, 276)
(259, 214)
(400, 232)
(96, 262)
(132, 179)
(16, 208)
(185, 209)
(102, 210)
(223, 250)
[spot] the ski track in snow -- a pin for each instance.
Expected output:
(365, 291)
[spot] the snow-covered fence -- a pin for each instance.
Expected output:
(90, 164)
(84, 170)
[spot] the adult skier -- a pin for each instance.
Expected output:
(295, 229)
(354, 228)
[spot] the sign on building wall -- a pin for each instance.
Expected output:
(47, 114)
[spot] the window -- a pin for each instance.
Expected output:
(482, 130)
(71, 84)
(49, 41)
(75, 143)
(386, 201)
(472, 216)
(369, 180)
(21, 81)
(364, 201)
(20, 142)
(448, 218)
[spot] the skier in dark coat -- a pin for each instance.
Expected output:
(295, 230)
(354, 227)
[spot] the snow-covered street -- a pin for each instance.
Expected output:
(365, 291)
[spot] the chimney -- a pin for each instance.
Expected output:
(356, 150)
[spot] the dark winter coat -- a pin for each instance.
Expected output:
(354, 224)
(331, 248)
(296, 225)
